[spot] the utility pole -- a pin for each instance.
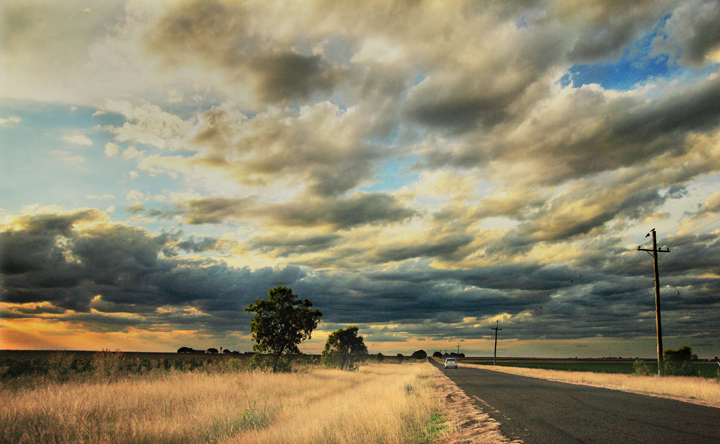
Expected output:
(458, 350)
(655, 250)
(496, 328)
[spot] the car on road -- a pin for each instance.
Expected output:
(451, 363)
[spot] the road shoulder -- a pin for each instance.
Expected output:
(468, 422)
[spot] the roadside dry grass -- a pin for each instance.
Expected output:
(467, 422)
(377, 404)
(694, 389)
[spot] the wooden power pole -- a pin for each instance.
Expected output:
(496, 328)
(655, 250)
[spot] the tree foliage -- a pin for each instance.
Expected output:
(419, 354)
(281, 323)
(677, 362)
(344, 348)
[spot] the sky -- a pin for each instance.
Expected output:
(423, 170)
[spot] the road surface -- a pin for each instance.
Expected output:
(537, 411)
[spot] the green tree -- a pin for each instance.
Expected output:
(420, 354)
(677, 362)
(344, 348)
(281, 323)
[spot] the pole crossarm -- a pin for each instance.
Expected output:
(659, 250)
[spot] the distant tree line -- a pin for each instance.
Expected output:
(440, 355)
(211, 350)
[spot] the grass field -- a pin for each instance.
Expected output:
(380, 403)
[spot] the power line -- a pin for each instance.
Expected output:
(708, 210)
(686, 237)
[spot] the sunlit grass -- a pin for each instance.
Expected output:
(692, 388)
(377, 404)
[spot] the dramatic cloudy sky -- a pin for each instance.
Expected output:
(419, 169)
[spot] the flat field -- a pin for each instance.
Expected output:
(115, 401)
(707, 369)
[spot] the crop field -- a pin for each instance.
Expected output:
(142, 398)
(707, 369)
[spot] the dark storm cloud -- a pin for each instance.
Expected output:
(341, 213)
(33, 246)
(443, 248)
(288, 75)
(286, 245)
(487, 94)
(214, 210)
(692, 31)
(198, 245)
(696, 108)
(125, 266)
(69, 267)
(589, 131)
(349, 298)
(461, 113)
(608, 26)
(221, 35)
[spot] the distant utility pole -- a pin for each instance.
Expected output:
(458, 350)
(655, 250)
(496, 328)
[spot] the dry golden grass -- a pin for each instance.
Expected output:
(695, 389)
(377, 404)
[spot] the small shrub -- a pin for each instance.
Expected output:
(60, 366)
(107, 364)
(409, 388)
(641, 368)
(280, 364)
(679, 369)
(677, 362)
(235, 365)
(255, 418)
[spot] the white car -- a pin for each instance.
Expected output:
(451, 363)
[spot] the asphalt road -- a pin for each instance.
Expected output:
(537, 411)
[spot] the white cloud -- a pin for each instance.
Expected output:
(78, 139)
(111, 149)
(175, 96)
(147, 125)
(131, 152)
(8, 120)
(134, 195)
